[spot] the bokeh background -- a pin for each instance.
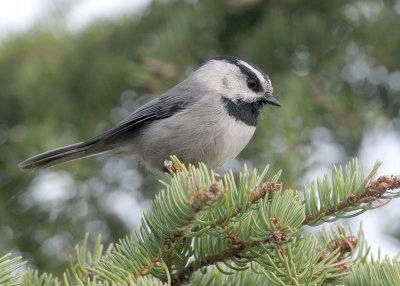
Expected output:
(72, 69)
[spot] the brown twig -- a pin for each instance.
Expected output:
(372, 192)
(147, 269)
(153, 262)
(185, 275)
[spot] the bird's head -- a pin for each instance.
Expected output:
(237, 80)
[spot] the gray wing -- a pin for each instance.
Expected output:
(173, 101)
(158, 108)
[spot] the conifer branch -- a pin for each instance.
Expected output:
(374, 191)
(202, 198)
(248, 231)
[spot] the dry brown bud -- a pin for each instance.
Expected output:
(346, 244)
(352, 241)
(171, 167)
(383, 187)
(200, 197)
(352, 199)
(168, 164)
(323, 256)
(276, 220)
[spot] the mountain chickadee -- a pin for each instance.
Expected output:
(209, 117)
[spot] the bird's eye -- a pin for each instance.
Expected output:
(251, 83)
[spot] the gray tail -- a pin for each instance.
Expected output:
(60, 155)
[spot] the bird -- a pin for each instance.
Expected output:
(209, 117)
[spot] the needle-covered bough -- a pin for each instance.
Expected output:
(204, 229)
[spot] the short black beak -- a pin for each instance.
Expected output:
(271, 100)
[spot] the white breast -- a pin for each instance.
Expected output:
(234, 138)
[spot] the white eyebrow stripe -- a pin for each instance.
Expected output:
(255, 71)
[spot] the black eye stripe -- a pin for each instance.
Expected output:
(251, 75)
(245, 70)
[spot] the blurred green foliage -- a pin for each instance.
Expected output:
(333, 65)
